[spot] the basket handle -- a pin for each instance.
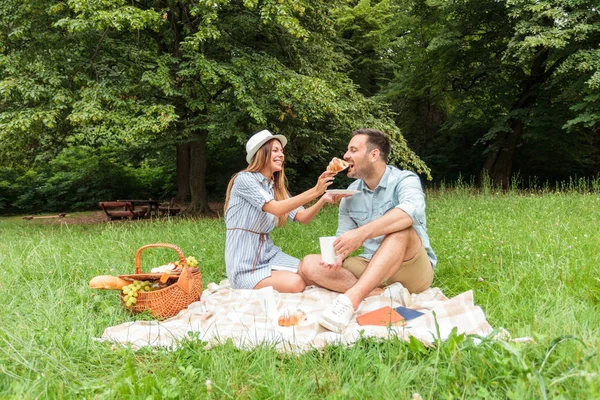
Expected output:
(138, 266)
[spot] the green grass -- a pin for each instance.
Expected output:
(538, 255)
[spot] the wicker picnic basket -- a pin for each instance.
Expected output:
(166, 302)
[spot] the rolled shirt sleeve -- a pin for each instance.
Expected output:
(292, 214)
(411, 199)
(345, 223)
(250, 189)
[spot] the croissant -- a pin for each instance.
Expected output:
(108, 282)
(291, 319)
(337, 165)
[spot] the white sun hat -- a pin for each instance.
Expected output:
(258, 139)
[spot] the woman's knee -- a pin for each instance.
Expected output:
(297, 284)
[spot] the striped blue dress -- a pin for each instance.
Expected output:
(246, 221)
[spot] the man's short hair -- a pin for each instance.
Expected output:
(376, 140)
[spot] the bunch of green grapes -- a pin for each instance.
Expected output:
(191, 261)
(131, 291)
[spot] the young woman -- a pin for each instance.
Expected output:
(257, 200)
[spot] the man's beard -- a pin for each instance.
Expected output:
(363, 173)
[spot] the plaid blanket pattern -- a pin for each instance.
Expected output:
(249, 319)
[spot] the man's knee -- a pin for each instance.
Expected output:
(406, 241)
(309, 265)
(405, 237)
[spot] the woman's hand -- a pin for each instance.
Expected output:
(324, 181)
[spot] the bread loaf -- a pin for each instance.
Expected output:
(336, 165)
(108, 282)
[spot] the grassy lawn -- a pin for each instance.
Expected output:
(533, 262)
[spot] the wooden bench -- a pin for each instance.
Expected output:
(149, 206)
(120, 209)
(169, 208)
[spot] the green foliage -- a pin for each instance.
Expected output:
(88, 73)
(460, 75)
(365, 38)
(80, 177)
(71, 185)
(450, 81)
(81, 87)
(8, 191)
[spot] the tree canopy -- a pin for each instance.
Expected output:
(177, 87)
(484, 85)
(188, 73)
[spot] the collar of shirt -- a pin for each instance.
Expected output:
(263, 180)
(382, 183)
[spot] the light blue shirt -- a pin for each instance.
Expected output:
(397, 189)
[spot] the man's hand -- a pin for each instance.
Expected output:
(339, 260)
(344, 246)
(348, 242)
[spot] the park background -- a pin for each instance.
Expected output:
(496, 104)
(102, 100)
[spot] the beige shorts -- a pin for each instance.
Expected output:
(415, 274)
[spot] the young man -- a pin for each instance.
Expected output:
(387, 217)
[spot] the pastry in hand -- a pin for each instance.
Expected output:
(291, 318)
(337, 165)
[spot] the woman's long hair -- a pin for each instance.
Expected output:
(260, 159)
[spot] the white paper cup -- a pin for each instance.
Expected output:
(269, 301)
(327, 250)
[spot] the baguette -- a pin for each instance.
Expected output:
(108, 282)
(337, 165)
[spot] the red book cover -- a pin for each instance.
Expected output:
(384, 316)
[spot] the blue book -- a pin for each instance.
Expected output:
(407, 313)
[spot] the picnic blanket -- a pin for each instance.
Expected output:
(249, 319)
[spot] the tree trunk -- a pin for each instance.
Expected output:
(183, 172)
(596, 148)
(197, 183)
(499, 162)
